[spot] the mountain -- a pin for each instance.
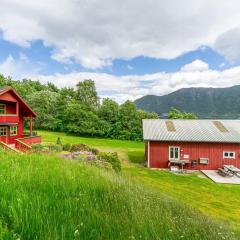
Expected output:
(205, 102)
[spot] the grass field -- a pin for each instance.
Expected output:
(44, 197)
(221, 202)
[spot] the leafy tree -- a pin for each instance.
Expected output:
(79, 111)
(130, 121)
(109, 110)
(44, 104)
(64, 98)
(86, 94)
(176, 114)
(81, 121)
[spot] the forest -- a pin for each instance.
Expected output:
(79, 110)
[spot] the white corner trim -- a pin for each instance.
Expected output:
(148, 157)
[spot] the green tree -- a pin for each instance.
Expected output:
(109, 110)
(44, 104)
(64, 98)
(176, 114)
(83, 122)
(86, 94)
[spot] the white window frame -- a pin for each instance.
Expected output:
(4, 108)
(228, 153)
(1, 131)
(14, 132)
(169, 152)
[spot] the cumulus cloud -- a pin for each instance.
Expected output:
(196, 65)
(93, 33)
(228, 44)
(135, 86)
(122, 88)
(18, 68)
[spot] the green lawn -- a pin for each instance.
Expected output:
(218, 201)
(44, 197)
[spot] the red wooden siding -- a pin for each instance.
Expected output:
(159, 154)
(19, 123)
(8, 96)
(16, 111)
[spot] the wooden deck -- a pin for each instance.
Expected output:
(215, 177)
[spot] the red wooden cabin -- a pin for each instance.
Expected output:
(13, 111)
(196, 144)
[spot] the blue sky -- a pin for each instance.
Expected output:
(126, 55)
(40, 56)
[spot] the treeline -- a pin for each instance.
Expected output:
(79, 110)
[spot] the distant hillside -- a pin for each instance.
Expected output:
(205, 102)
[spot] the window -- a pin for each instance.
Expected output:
(174, 153)
(3, 131)
(13, 130)
(228, 154)
(2, 108)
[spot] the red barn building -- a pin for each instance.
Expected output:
(13, 111)
(196, 144)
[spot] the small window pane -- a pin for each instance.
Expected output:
(2, 108)
(171, 153)
(3, 131)
(231, 154)
(176, 152)
(226, 154)
(13, 130)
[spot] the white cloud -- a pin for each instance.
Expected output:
(93, 33)
(195, 66)
(121, 88)
(135, 86)
(18, 68)
(228, 44)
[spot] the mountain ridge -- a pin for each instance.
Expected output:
(205, 102)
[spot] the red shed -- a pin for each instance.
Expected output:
(13, 111)
(196, 144)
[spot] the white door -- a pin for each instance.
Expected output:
(174, 153)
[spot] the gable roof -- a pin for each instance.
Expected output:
(6, 89)
(227, 131)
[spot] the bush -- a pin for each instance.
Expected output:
(46, 148)
(66, 147)
(79, 147)
(83, 147)
(37, 147)
(59, 142)
(111, 158)
(54, 148)
(94, 151)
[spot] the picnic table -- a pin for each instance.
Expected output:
(231, 168)
(225, 173)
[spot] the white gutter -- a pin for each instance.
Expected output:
(148, 157)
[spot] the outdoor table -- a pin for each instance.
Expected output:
(232, 169)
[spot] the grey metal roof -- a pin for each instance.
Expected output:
(191, 131)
